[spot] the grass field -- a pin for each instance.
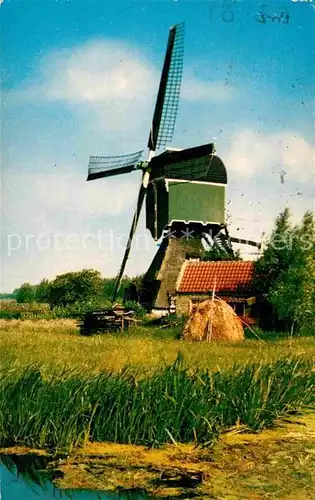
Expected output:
(56, 344)
(60, 389)
(129, 388)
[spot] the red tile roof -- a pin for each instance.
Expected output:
(227, 276)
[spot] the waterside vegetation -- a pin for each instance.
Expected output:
(173, 405)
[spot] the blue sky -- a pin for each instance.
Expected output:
(80, 78)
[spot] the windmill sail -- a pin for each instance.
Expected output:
(245, 242)
(165, 112)
(141, 196)
(107, 166)
(161, 133)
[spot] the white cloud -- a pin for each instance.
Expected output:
(252, 153)
(201, 90)
(104, 82)
(31, 198)
(109, 72)
(266, 173)
(70, 193)
(53, 208)
(97, 72)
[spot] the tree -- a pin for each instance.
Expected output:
(293, 292)
(284, 275)
(74, 287)
(277, 255)
(109, 287)
(215, 253)
(26, 293)
(42, 291)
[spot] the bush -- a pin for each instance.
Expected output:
(25, 294)
(74, 288)
(140, 312)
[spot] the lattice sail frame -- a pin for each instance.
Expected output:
(105, 166)
(172, 92)
(166, 107)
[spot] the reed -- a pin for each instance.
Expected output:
(68, 408)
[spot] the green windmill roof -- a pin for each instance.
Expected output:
(195, 164)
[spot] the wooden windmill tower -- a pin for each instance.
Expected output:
(183, 190)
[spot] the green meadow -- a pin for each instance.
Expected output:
(145, 386)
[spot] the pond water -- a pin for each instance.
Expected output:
(25, 477)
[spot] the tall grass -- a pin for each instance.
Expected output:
(10, 309)
(69, 408)
(56, 344)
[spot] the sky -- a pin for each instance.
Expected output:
(80, 78)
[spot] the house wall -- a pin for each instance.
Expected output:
(185, 304)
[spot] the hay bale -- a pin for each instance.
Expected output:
(226, 326)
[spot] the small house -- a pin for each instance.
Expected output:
(232, 281)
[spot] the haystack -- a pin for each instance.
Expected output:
(213, 320)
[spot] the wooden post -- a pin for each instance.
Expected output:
(209, 333)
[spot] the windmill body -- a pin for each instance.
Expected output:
(186, 192)
(183, 190)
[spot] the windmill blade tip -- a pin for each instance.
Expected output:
(179, 25)
(90, 176)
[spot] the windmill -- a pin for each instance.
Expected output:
(183, 190)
